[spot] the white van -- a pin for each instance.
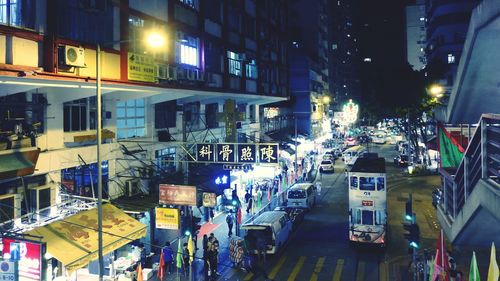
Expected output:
(301, 195)
(272, 228)
(350, 155)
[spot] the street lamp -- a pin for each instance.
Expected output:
(436, 90)
(154, 40)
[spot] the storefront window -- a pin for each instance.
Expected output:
(82, 180)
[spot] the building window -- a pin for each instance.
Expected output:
(130, 119)
(165, 159)
(251, 69)
(18, 13)
(166, 114)
(451, 58)
(234, 63)
(79, 113)
(191, 3)
(189, 55)
(211, 111)
(192, 114)
(82, 180)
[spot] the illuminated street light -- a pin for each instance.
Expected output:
(436, 90)
(155, 40)
(326, 99)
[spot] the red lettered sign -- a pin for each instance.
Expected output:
(367, 203)
(29, 255)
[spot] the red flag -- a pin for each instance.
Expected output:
(238, 216)
(161, 267)
(441, 267)
(269, 195)
(139, 272)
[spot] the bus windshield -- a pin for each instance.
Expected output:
(296, 194)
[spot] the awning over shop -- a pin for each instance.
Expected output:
(74, 242)
(18, 162)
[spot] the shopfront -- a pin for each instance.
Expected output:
(72, 244)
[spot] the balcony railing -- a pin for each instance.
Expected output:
(481, 161)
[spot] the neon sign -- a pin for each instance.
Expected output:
(350, 111)
(29, 255)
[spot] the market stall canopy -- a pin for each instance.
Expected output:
(18, 162)
(74, 242)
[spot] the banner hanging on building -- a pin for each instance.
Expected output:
(242, 153)
(29, 257)
(209, 199)
(141, 68)
(167, 218)
(177, 195)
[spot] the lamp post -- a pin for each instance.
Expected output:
(154, 40)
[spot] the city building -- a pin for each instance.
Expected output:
(446, 26)
(415, 35)
(222, 60)
(308, 65)
(342, 54)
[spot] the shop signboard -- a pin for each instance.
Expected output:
(167, 218)
(28, 254)
(8, 270)
(237, 167)
(141, 68)
(205, 152)
(247, 153)
(226, 153)
(177, 195)
(268, 153)
(209, 199)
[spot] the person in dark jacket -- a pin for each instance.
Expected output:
(168, 258)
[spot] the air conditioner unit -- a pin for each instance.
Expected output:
(74, 56)
(164, 71)
(192, 74)
(131, 187)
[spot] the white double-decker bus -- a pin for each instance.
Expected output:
(368, 200)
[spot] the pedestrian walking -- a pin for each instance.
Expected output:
(247, 197)
(168, 258)
(211, 213)
(249, 204)
(213, 261)
(185, 259)
(205, 243)
(230, 222)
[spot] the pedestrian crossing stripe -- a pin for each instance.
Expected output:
(360, 274)
(338, 270)
(277, 267)
(317, 269)
(296, 269)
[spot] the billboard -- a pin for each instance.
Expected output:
(232, 153)
(177, 194)
(29, 257)
(167, 218)
(209, 199)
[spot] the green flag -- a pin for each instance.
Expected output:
(474, 271)
(179, 255)
(450, 150)
(431, 268)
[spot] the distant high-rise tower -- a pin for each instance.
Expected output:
(415, 35)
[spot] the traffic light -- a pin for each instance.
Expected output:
(412, 235)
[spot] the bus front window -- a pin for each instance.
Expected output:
(366, 183)
(380, 184)
(367, 217)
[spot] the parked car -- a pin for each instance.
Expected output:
(332, 153)
(401, 160)
(328, 157)
(326, 166)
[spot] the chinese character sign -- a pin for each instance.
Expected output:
(226, 153)
(205, 152)
(268, 153)
(177, 195)
(247, 153)
(29, 256)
